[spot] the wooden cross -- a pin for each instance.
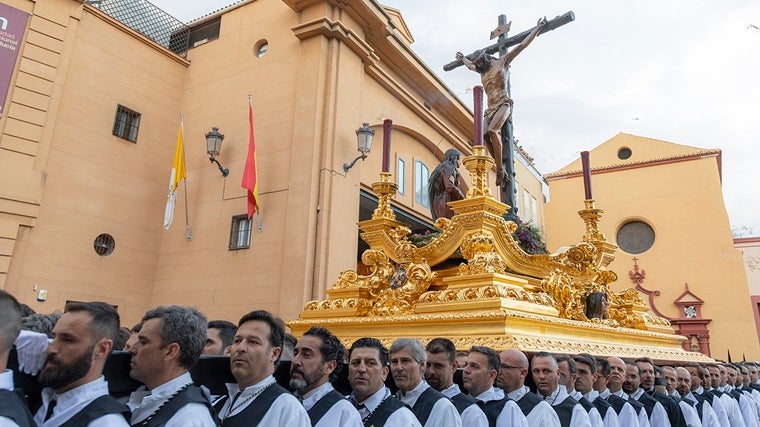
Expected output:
(508, 191)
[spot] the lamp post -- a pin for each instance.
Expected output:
(213, 146)
(364, 137)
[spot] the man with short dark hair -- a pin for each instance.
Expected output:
(76, 393)
(513, 368)
(439, 373)
(367, 371)
(745, 403)
(219, 335)
(684, 387)
(654, 409)
(256, 398)
(318, 357)
(700, 379)
(478, 377)
(13, 410)
(132, 337)
(168, 345)
(408, 358)
(545, 372)
(568, 374)
(585, 377)
(648, 376)
(615, 394)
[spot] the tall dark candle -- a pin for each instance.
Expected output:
(477, 95)
(387, 128)
(586, 175)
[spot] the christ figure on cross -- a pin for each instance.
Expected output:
(493, 73)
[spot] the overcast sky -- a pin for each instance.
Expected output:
(683, 71)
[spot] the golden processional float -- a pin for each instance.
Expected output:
(498, 296)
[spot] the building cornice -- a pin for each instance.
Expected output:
(642, 164)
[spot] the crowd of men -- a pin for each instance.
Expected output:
(580, 390)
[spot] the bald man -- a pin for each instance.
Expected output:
(513, 368)
(704, 410)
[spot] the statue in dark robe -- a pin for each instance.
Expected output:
(443, 185)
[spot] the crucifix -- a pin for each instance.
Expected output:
(494, 72)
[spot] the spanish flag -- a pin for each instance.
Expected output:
(249, 173)
(177, 175)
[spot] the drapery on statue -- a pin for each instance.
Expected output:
(443, 185)
(493, 73)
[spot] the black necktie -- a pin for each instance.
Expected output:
(49, 412)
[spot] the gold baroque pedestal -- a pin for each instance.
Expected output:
(498, 296)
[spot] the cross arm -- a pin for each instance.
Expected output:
(511, 41)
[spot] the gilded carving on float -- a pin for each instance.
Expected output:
(489, 292)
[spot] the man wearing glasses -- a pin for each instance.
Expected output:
(513, 368)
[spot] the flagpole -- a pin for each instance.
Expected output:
(188, 234)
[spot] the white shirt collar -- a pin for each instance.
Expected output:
(312, 397)
(557, 396)
(410, 397)
(491, 394)
(592, 395)
(636, 394)
(374, 401)
(451, 390)
(518, 393)
(6, 380)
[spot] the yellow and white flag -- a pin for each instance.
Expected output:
(177, 175)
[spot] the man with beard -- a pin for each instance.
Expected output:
(584, 382)
(367, 371)
(408, 357)
(478, 377)
(647, 379)
(75, 393)
(568, 374)
(545, 372)
(655, 411)
(616, 396)
(705, 412)
(318, 358)
(439, 374)
(688, 412)
(513, 368)
(168, 345)
(256, 398)
(13, 410)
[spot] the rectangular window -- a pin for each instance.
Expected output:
(421, 176)
(527, 212)
(240, 232)
(126, 123)
(534, 211)
(400, 175)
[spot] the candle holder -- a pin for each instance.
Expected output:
(478, 164)
(385, 189)
(591, 216)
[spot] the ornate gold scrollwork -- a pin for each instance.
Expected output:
(394, 298)
(478, 250)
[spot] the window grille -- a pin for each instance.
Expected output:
(240, 232)
(126, 123)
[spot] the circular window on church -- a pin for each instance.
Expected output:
(624, 153)
(635, 237)
(104, 244)
(261, 48)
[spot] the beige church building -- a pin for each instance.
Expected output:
(663, 207)
(89, 129)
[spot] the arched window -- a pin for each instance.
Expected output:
(421, 175)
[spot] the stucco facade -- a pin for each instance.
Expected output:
(676, 191)
(66, 178)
